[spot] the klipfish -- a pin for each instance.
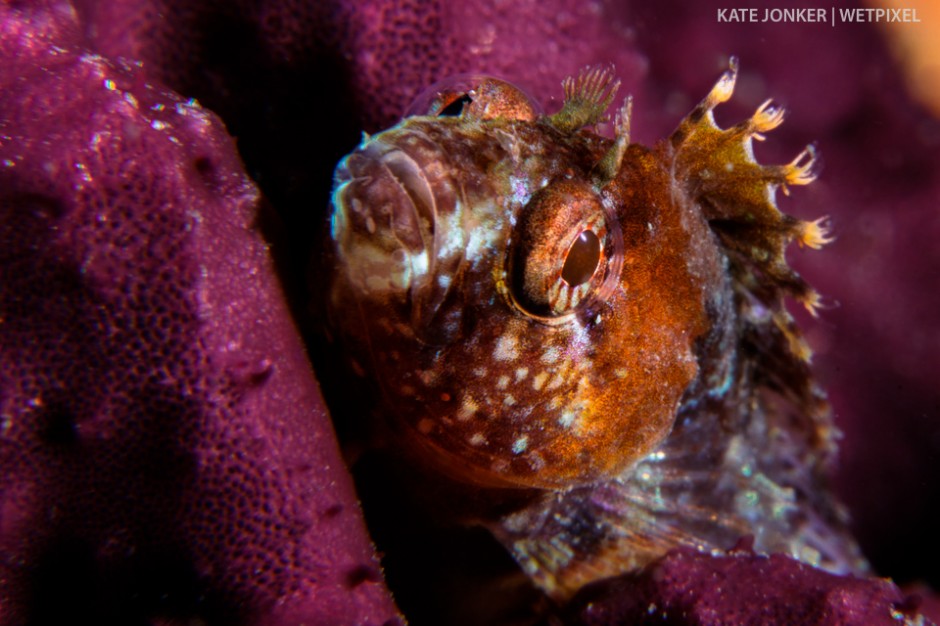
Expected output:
(595, 323)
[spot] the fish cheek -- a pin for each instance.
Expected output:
(595, 393)
(647, 350)
(601, 396)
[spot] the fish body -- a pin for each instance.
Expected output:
(592, 321)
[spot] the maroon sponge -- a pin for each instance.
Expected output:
(165, 454)
(687, 587)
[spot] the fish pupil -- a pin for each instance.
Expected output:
(456, 107)
(582, 259)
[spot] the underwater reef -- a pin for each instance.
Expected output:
(165, 452)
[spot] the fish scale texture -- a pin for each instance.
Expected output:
(164, 448)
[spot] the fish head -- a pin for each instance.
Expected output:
(527, 296)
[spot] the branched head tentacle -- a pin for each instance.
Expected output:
(622, 121)
(587, 98)
(607, 168)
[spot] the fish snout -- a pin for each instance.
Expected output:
(392, 221)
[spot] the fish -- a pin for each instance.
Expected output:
(592, 330)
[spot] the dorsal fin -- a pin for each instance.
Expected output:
(587, 98)
(737, 196)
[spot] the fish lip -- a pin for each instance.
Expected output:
(384, 183)
(396, 193)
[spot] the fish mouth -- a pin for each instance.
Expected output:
(385, 187)
(393, 206)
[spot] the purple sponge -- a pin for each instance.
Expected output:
(687, 587)
(164, 449)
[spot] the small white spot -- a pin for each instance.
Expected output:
(419, 263)
(539, 380)
(444, 281)
(519, 445)
(468, 409)
(477, 439)
(506, 348)
(520, 191)
(370, 225)
(452, 225)
(567, 418)
(479, 372)
(556, 382)
(521, 373)
(620, 372)
(551, 354)
(483, 233)
(509, 400)
(503, 382)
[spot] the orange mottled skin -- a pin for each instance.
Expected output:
(588, 319)
(505, 397)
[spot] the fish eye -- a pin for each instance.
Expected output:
(566, 252)
(475, 96)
